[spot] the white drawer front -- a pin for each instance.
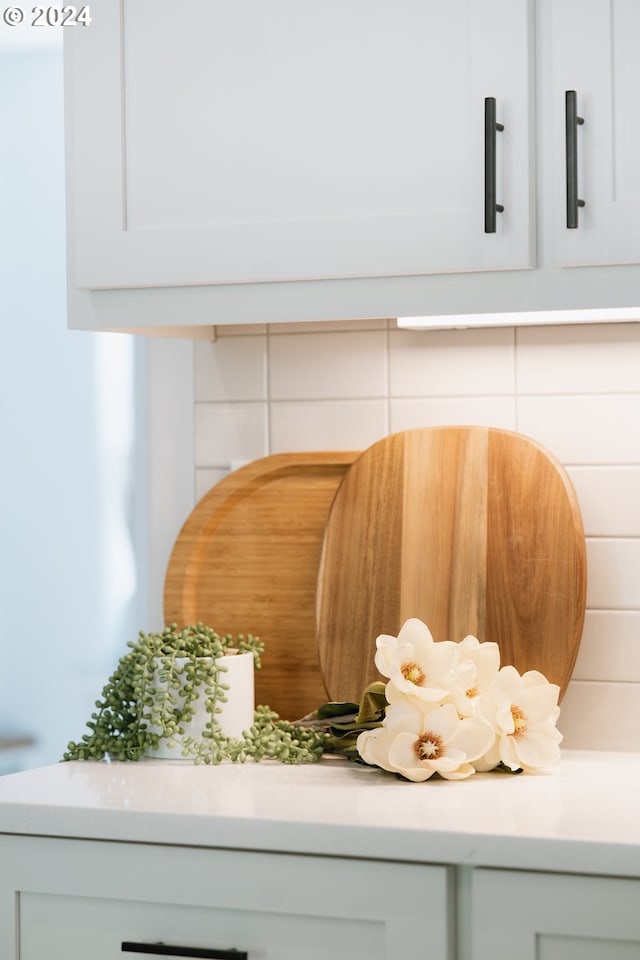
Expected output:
(79, 899)
(541, 916)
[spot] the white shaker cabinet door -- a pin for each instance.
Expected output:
(538, 916)
(595, 54)
(212, 142)
(84, 900)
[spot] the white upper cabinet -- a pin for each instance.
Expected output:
(260, 162)
(595, 55)
(221, 143)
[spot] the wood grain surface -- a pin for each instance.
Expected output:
(473, 530)
(246, 561)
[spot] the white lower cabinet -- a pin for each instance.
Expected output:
(76, 899)
(64, 899)
(543, 916)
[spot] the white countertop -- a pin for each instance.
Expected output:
(582, 817)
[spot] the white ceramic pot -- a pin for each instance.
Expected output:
(237, 711)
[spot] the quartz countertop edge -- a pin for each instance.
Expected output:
(581, 817)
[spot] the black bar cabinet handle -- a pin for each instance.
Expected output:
(572, 121)
(167, 950)
(490, 129)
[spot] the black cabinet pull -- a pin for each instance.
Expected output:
(490, 129)
(167, 950)
(572, 121)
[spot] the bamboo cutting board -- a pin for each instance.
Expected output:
(246, 561)
(471, 529)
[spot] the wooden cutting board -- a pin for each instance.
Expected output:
(471, 529)
(246, 561)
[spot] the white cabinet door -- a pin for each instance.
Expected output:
(595, 54)
(537, 916)
(77, 899)
(219, 143)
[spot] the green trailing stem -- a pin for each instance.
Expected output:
(132, 703)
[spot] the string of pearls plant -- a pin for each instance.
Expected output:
(151, 695)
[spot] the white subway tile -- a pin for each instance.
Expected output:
(230, 431)
(613, 574)
(600, 716)
(231, 368)
(588, 358)
(610, 647)
(451, 362)
(587, 429)
(609, 500)
(305, 366)
(206, 478)
(327, 425)
(328, 326)
(453, 411)
(240, 329)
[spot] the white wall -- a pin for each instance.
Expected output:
(66, 567)
(290, 387)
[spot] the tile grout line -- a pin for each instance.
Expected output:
(516, 393)
(388, 378)
(267, 380)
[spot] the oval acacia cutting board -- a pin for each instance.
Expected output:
(246, 561)
(473, 530)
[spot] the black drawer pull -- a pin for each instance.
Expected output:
(490, 128)
(167, 950)
(572, 122)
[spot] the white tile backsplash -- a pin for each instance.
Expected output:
(609, 499)
(610, 647)
(327, 425)
(230, 431)
(613, 574)
(596, 428)
(600, 716)
(206, 478)
(447, 411)
(323, 366)
(579, 359)
(329, 326)
(575, 389)
(451, 363)
(231, 368)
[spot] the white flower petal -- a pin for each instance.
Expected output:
(537, 750)
(452, 758)
(508, 754)
(369, 746)
(404, 759)
(443, 722)
(474, 738)
(504, 718)
(460, 773)
(416, 632)
(539, 703)
(404, 715)
(487, 661)
(506, 684)
(533, 678)
(490, 759)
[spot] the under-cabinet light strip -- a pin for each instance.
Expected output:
(528, 318)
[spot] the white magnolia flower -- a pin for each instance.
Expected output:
(522, 711)
(475, 668)
(415, 664)
(418, 740)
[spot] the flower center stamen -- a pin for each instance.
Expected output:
(471, 693)
(414, 673)
(519, 721)
(429, 746)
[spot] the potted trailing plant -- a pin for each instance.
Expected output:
(166, 681)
